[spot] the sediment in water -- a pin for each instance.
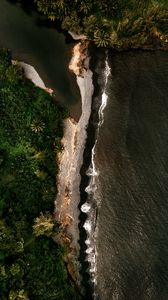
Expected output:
(31, 73)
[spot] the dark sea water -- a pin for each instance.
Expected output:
(34, 40)
(132, 186)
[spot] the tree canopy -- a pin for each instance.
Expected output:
(31, 266)
(112, 22)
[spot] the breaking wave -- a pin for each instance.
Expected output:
(90, 207)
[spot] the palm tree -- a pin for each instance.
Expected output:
(61, 8)
(43, 225)
(101, 38)
(85, 6)
(71, 23)
(37, 126)
(108, 8)
(18, 295)
(90, 23)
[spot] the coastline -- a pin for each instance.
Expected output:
(159, 42)
(70, 162)
(71, 158)
(151, 48)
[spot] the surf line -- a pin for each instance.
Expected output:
(89, 206)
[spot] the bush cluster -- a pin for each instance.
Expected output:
(117, 23)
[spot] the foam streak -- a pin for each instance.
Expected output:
(90, 224)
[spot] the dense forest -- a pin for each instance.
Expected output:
(114, 23)
(31, 263)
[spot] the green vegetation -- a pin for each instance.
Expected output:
(117, 23)
(31, 264)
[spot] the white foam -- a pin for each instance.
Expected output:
(92, 270)
(85, 207)
(88, 226)
(88, 189)
(92, 172)
(102, 107)
(87, 242)
(107, 72)
(89, 250)
(93, 280)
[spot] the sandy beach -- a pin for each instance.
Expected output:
(71, 159)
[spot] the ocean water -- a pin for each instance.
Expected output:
(130, 255)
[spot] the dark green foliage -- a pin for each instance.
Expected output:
(111, 22)
(30, 267)
(51, 272)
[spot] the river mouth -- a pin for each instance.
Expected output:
(39, 44)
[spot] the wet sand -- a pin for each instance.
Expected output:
(71, 159)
